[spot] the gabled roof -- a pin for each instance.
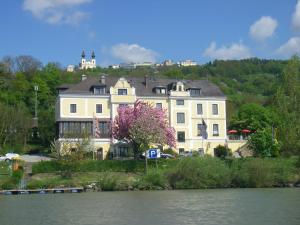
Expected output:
(208, 89)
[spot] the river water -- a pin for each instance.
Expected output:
(207, 207)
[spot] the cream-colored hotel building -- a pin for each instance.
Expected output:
(188, 104)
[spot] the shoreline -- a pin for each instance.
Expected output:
(82, 190)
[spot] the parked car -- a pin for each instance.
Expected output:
(166, 156)
(186, 154)
(9, 156)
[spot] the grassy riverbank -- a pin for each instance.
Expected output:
(185, 173)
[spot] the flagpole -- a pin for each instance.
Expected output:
(94, 136)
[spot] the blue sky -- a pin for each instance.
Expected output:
(152, 30)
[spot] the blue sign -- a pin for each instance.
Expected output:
(153, 153)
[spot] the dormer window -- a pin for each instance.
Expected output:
(180, 86)
(160, 90)
(195, 91)
(99, 90)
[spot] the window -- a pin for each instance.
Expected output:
(159, 105)
(72, 108)
(123, 105)
(179, 88)
(74, 129)
(201, 151)
(104, 128)
(99, 90)
(195, 92)
(199, 129)
(160, 90)
(181, 136)
(180, 118)
(215, 109)
(181, 151)
(122, 91)
(215, 129)
(199, 109)
(179, 102)
(98, 108)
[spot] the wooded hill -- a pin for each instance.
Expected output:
(271, 84)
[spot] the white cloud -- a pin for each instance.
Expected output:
(263, 28)
(234, 51)
(296, 17)
(291, 47)
(57, 11)
(133, 53)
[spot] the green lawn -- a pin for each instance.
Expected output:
(4, 169)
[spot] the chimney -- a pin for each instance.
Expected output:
(145, 81)
(83, 77)
(102, 80)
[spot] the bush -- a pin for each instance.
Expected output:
(154, 180)
(263, 145)
(46, 167)
(8, 184)
(18, 174)
(204, 172)
(91, 166)
(108, 182)
(255, 172)
(222, 152)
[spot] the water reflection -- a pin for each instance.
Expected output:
(209, 207)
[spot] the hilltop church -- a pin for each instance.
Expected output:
(87, 64)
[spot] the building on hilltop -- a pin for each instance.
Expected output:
(87, 64)
(168, 62)
(187, 62)
(190, 105)
(70, 68)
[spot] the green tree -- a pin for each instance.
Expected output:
(263, 144)
(287, 104)
(254, 117)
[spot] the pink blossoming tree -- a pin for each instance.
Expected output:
(143, 125)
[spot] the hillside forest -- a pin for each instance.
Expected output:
(263, 96)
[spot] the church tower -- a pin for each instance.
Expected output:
(87, 64)
(93, 59)
(83, 59)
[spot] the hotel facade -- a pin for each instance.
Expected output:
(190, 105)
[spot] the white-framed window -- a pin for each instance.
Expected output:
(73, 108)
(199, 109)
(122, 91)
(215, 110)
(180, 118)
(98, 108)
(215, 129)
(179, 102)
(159, 105)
